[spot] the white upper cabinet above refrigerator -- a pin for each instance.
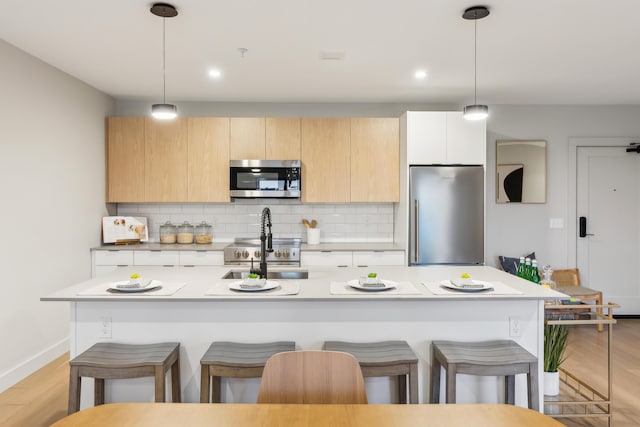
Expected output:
(445, 137)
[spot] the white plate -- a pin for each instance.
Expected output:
(384, 285)
(239, 285)
(482, 286)
(152, 286)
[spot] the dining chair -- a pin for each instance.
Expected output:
(568, 282)
(312, 377)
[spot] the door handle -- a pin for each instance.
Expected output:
(417, 231)
(583, 227)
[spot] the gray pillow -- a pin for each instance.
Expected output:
(510, 265)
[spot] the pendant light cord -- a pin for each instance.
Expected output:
(164, 61)
(475, 62)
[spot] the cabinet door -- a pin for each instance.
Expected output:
(166, 160)
(283, 139)
(466, 140)
(378, 258)
(247, 138)
(426, 137)
(156, 257)
(125, 159)
(208, 159)
(375, 160)
(325, 160)
(327, 258)
(193, 258)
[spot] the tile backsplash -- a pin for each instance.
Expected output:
(371, 222)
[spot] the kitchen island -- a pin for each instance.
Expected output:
(314, 314)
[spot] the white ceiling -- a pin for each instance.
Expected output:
(529, 52)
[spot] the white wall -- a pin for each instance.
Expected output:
(52, 195)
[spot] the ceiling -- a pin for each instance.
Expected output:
(529, 52)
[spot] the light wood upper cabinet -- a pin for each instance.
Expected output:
(166, 160)
(208, 159)
(247, 138)
(125, 159)
(375, 160)
(283, 137)
(325, 160)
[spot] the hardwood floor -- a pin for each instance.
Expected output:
(41, 398)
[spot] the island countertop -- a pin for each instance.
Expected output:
(198, 280)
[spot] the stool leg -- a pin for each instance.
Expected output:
(510, 389)
(402, 389)
(98, 391)
(435, 382)
(216, 389)
(160, 386)
(176, 387)
(413, 383)
(75, 382)
(205, 385)
(451, 383)
(532, 389)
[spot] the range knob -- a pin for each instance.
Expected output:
(285, 253)
(256, 254)
(277, 253)
(237, 253)
(245, 254)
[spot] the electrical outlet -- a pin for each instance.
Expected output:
(515, 328)
(105, 327)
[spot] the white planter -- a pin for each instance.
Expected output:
(551, 382)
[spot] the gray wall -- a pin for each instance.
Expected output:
(52, 189)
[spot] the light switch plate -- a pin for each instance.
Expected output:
(105, 327)
(556, 223)
(515, 327)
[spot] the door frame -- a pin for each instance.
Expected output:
(572, 188)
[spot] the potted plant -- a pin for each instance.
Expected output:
(555, 344)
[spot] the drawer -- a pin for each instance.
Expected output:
(101, 270)
(373, 258)
(201, 258)
(327, 258)
(113, 257)
(156, 258)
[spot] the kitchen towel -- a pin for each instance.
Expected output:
(166, 289)
(499, 288)
(402, 288)
(285, 288)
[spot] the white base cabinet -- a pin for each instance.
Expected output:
(352, 258)
(108, 260)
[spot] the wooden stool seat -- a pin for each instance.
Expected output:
(486, 358)
(235, 360)
(105, 361)
(384, 359)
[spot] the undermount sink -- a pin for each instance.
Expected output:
(282, 274)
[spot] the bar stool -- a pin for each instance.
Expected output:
(486, 358)
(105, 361)
(234, 360)
(385, 359)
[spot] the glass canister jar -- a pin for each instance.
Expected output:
(185, 233)
(168, 233)
(203, 233)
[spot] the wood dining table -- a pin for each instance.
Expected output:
(303, 415)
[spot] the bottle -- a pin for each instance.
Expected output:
(535, 274)
(546, 281)
(520, 272)
(527, 269)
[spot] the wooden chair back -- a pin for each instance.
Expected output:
(312, 377)
(566, 277)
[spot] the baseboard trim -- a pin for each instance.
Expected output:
(18, 373)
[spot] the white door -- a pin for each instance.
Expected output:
(608, 196)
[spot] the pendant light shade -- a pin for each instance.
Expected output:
(164, 111)
(475, 111)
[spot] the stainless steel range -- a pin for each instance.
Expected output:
(285, 252)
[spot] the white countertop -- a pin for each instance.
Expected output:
(316, 288)
(218, 246)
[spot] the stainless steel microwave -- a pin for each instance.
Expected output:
(265, 178)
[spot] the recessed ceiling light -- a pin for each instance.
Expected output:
(215, 73)
(420, 74)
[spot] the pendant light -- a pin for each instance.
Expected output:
(475, 111)
(164, 111)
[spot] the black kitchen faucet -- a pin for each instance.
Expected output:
(266, 243)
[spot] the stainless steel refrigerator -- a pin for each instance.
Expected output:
(446, 215)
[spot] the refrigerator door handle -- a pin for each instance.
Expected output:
(417, 230)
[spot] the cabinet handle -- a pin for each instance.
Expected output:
(362, 265)
(168, 265)
(155, 250)
(417, 228)
(186, 266)
(326, 252)
(122, 265)
(342, 266)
